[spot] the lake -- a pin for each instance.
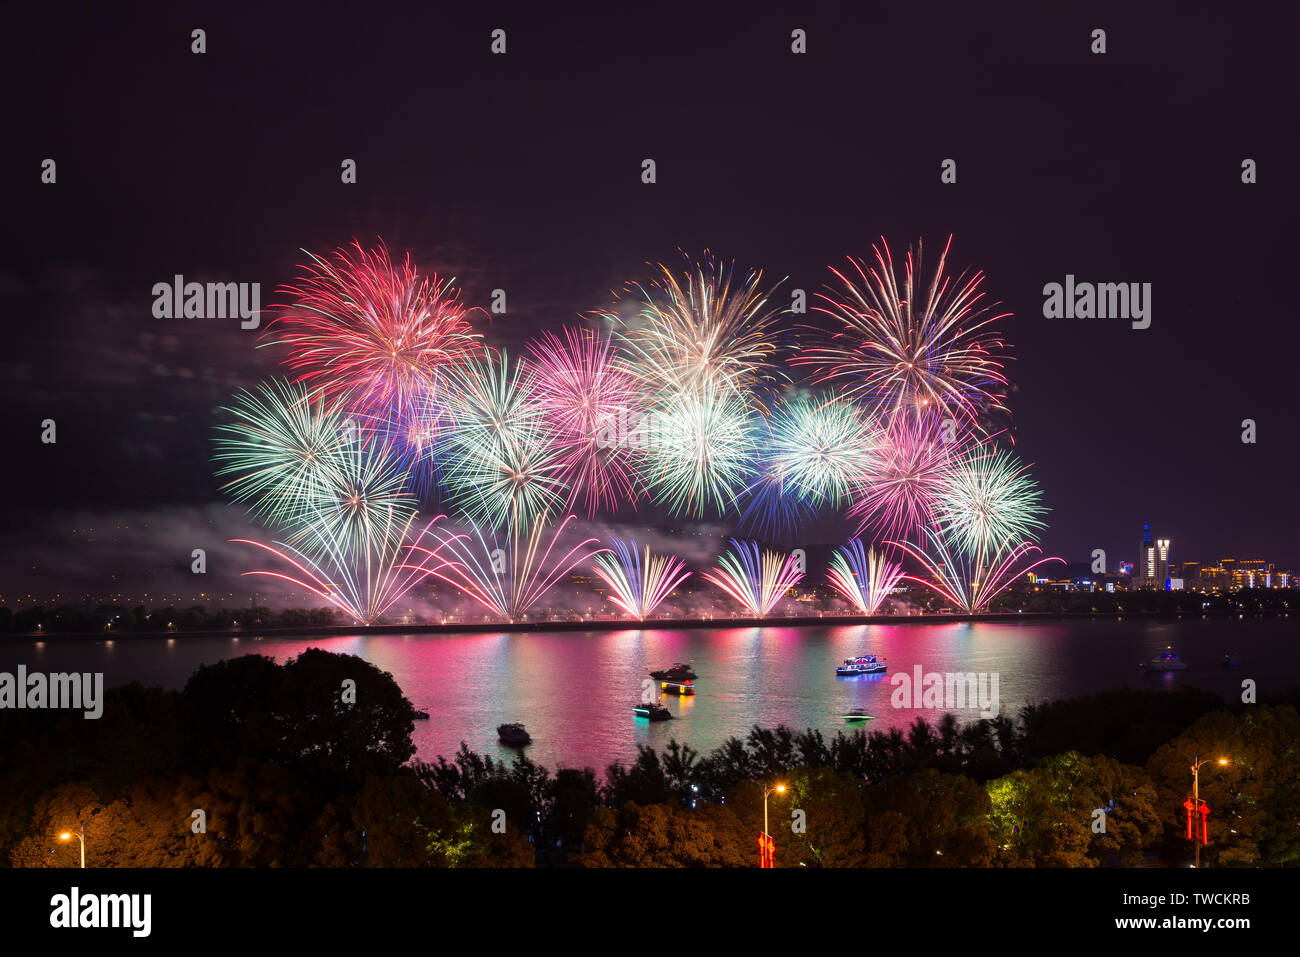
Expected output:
(575, 690)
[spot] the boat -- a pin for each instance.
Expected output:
(652, 711)
(514, 735)
(857, 714)
(677, 687)
(1232, 661)
(1167, 661)
(678, 673)
(862, 665)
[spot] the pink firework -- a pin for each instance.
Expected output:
(908, 472)
(588, 400)
(918, 348)
(377, 334)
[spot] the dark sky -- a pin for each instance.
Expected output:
(522, 172)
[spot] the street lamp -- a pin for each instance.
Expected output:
(1196, 800)
(81, 836)
(766, 848)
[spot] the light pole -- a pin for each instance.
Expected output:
(1196, 797)
(81, 836)
(765, 846)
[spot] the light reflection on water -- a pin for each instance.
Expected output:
(575, 690)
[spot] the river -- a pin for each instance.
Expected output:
(575, 690)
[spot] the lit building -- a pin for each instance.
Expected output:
(1153, 560)
(1147, 557)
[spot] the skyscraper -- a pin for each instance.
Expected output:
(1153, 560)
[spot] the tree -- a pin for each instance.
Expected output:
(1254, 799)
(663, 835)
(929, 819)
(335, 717)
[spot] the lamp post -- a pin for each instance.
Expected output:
(766, 848)
(1196, 798)
(81, 836)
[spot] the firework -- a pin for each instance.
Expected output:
(497, 459)
(704, 331)
(301, 464)
(987, 500)
(377, 335)
(817, 451)
(756, 580)
(361, 498)
(917, 349)
(699, 450)
(968, 583)
(361, 580)
(278, 447)
(863, 576)
(586, 399)
(907, 474)
(510, 578)
(639, 585)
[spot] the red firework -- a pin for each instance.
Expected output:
(380, 335)
(916, 347)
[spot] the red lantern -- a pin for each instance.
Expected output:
(1205, 826)
(1190, 808)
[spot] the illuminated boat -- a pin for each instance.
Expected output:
(652, 711)
(677, 687)
(677, 673)
(1167, 661)
(862, 665)
(514, 735)
(857, 714)
(1232, 661)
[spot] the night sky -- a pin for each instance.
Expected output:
(522, 172)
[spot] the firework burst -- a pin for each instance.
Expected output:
(301, 464)
(278, 448)
(587, 398)
(638, 584)
(699, 450)
(987, 499)
(377, 335)
(497, 459)
(863, 576)
(918, 349)
(909, 471)
(755, 579)
(701, 330)
(818, 450)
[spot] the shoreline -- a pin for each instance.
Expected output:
(652, 624)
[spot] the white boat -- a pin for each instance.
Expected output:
(1167, 661)
(862, 665)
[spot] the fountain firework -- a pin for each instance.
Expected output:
(755, 579)
(639, 584)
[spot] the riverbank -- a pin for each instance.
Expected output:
(612, 624)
